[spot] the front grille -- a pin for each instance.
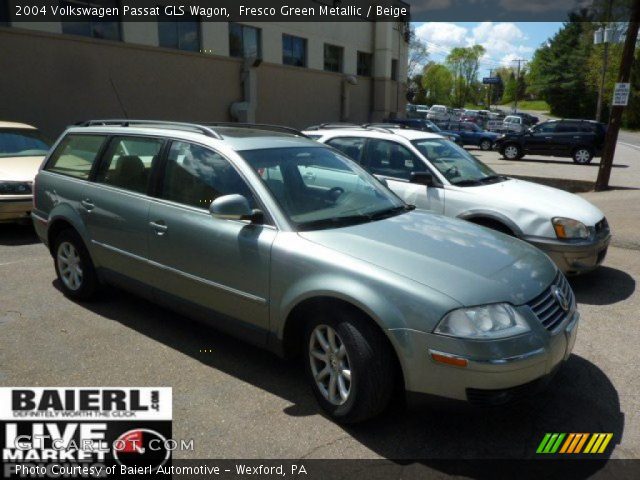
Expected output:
(546, 306)
(602, 226)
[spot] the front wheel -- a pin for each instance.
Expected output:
(350, 365)
(582, 156)
(485, 145)
(512, 152)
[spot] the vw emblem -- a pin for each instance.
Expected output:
(560, 297)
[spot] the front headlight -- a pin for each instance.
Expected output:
(499, 320)
(567, 228)
(15, 188)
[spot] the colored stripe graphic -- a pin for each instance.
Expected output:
(573, 443)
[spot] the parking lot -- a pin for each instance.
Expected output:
(237, 401)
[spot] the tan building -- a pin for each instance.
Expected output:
(297, 74)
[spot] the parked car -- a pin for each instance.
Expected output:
(425, 126)
(472, 134)
(440, 113)
(435, 174)
(578, 139)
(513, 123)
(417, 111)
(528, 119)
(22, 149)
(289, 244)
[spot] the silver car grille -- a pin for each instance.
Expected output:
(548, 307)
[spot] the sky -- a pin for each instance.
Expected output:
(503, 41)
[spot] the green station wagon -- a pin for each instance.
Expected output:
(290, 245)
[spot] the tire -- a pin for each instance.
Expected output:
(582, 156)
(485, 144)
(512, 152)
(75, 270)
(367, 356)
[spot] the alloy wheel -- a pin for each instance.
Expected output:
(582, 156)
(330, 364)
(69, 266)
(511, 152)
(485, 145)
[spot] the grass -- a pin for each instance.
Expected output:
(537, 105)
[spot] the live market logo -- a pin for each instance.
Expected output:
(99, 428)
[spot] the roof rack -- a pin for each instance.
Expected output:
(387, 126)
(334, 125)
(258, 126)
(205, 130)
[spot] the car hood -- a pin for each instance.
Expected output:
(19, 168)
(468, 263)
(547, 202)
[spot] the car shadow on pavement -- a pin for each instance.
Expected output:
(603, 286)
(14, 234)
(579, 399)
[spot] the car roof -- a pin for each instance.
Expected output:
(385, 133)
(238, 137)
(16, 125)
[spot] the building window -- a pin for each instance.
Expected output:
(394, 69)
(107, 27)
(244, 41)
(365, 64)
(333, 58)
(182, 35)
(294, 51)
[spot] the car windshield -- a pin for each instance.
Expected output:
(455, 163)
(22, 143)
(319, 188)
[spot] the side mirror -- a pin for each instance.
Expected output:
(422, 178)
(234, 207)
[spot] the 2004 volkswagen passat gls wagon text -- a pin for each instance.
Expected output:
(290, 245)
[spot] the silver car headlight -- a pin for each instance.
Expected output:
(498, 320)
(567, 228)
(15, 188)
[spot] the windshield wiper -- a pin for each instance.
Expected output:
(333, 222)
(390, 212)
(492, 178)
(467, 183)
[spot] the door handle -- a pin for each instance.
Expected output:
(87, 204)
(160, 227)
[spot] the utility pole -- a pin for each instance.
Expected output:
(624, 74)
(605, 60)
(515, 102)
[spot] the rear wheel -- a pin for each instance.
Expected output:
(350, 365)
(512, 152)
(74, 267)
(582, 156)
(485, 144)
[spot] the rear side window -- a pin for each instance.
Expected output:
(568, 127)
(351, 147)
(127, 163)
(75, 155)
(390, 159)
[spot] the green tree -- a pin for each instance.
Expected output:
(464, 63)
(437, 82)
(558, 70)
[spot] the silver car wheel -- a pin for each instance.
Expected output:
(582, 156)
(330, 364)
(511, 152)
(69, 266)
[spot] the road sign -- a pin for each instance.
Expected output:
(621, 94)
(491, 80)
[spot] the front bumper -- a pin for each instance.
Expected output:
(15, 208)
(497, 371)
(575, 258)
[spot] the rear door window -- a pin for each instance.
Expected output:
(352, 147)
(391, 159)
(127, 163)
(22, 143)
(75, 155)
(568, 127)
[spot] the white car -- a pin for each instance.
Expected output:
(440, 113)
(435, 174)
(22, 149)
(513, 123)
